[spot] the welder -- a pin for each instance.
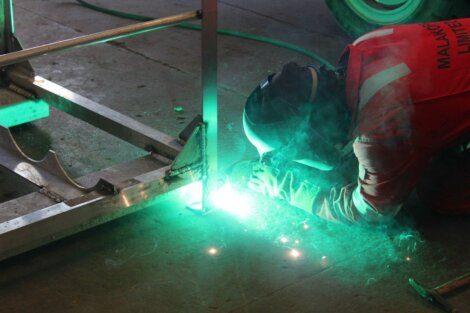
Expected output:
(393, 117)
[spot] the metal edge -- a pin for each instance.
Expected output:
(60, 220)
(102, 117)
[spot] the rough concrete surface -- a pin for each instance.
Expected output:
(157, 260)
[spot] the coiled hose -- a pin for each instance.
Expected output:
(220, 31)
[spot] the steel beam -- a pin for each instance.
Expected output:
(100, 116)
(209, 98)
(56, 221)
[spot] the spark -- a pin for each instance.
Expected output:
(306, 226)
(284, 239)
(295, 254)
(212, 251)
(408, 259)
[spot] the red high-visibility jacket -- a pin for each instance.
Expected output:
(408, 88)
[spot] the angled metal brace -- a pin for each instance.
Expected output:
(191, 157)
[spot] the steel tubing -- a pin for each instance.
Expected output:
(209, 100)
(100, 37)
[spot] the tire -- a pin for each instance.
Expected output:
(357, 17)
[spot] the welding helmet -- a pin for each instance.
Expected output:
(281, 116)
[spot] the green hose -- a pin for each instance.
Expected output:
(220, 31)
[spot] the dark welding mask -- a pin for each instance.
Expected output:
(281, 118)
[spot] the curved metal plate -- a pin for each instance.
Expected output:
(45, 173)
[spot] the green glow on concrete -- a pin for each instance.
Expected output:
(392, 15)
(299, 236)
(23, 112)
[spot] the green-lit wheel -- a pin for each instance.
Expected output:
(384, 11)
(360, 16)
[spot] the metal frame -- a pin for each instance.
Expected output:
(62, 206)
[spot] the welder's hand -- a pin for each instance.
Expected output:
(284, 185)
(264, 179)
(240, 172)
(303, 196)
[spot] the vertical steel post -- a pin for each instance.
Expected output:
(6, 25)
(209, 98)
(2, 27)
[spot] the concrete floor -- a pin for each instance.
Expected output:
(157, 260)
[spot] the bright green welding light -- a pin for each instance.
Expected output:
(232, 201)
(225, 198)
(23, 112)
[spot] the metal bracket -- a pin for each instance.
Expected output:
(191, 158)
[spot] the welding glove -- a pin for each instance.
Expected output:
(284, 185)
(331, 204)
(337, 205)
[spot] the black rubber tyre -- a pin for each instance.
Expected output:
(429, 10)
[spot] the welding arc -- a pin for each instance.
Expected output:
(220, 31)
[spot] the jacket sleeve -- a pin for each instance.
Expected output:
(388, 172)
